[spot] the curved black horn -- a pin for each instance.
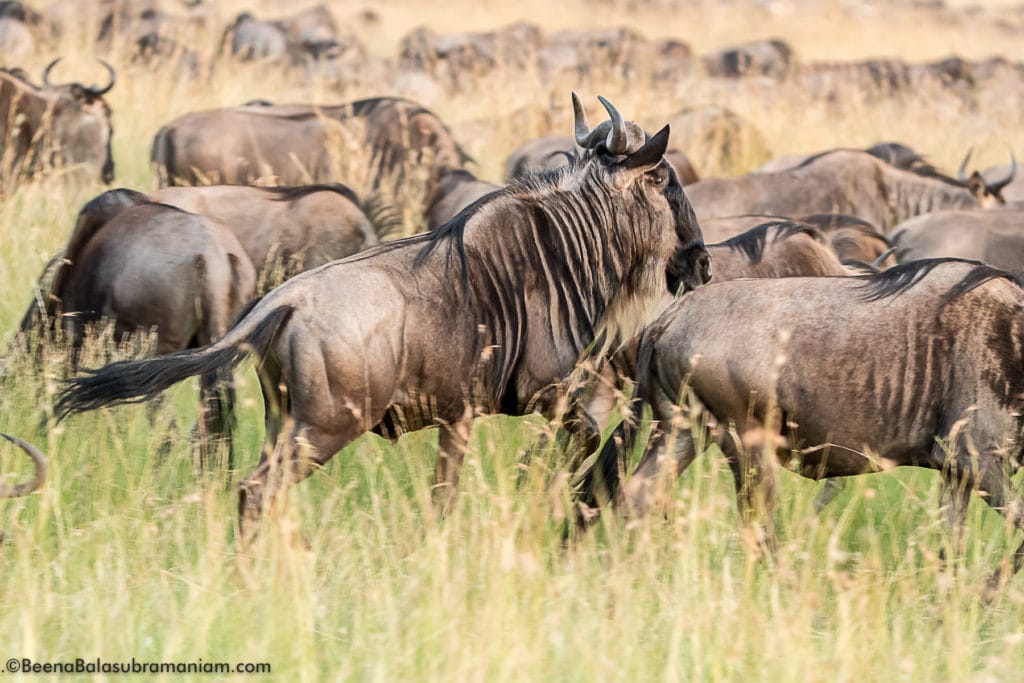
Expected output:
(997, 185)
(38, 459)
(97, 91)
(618, 138)
(582, 127)
(46, 73)
(962, 172)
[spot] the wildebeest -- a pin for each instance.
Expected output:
(489, 314)
(851, 238)
(718, 139)
(140, 266)
(291, 228)
(994, 237)
(777, 248)
(300, 144)
(944, 393)
(769, 58)
(457, 190)
(840, 181)
(66, 125)
(18, 25)
(453, 59)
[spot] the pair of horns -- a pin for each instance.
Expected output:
(996, 185)
(617, 135)
(94, 90)
(38, 459)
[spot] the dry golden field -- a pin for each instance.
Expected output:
(129, 551)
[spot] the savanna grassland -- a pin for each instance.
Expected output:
(129, 550)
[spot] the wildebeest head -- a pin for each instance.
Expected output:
(989, 194)
(81, 121)
(630, 162)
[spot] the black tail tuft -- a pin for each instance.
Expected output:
(135, 381)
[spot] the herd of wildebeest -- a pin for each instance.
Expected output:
(839, 313)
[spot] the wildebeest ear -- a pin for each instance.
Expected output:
(650, 155)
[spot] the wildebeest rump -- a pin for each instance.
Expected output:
(66, 125)
(489, 314)
(457, 190)
(942, 388)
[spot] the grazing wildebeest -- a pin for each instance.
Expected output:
(454, 59)
(944, 395)
(300, 144)
(457, 190)
(142, 266)
(489, 314)
(840, 181)
(994, 237)
(250, 38)
(66, 125)
(288, 228)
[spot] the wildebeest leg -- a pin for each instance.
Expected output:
(217, 395)
(452, 446)
(666, 456)
(754, 477)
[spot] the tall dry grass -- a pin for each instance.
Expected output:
(130, 551)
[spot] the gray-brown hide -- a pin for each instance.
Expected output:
(994, 237)
(489, 314)
(772, 249)
(388, 140)
(66, 126)
(457, 190)
(851, 238)
(779, 248)
(143, 266)
(288, 228)
(944, 395)
(842, 181)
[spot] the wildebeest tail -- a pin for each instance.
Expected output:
(139, 380)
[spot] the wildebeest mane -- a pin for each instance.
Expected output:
(753, 242)
(291, 193)
(453, 232)
(899, 279)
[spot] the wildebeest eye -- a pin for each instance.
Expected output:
(657, 176)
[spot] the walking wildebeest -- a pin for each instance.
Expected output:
(300, 144)
(994, 237)
(944, 394)
(489, 314)
(840, 181)
(142, 266)
(288, 228)
(66, 125)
